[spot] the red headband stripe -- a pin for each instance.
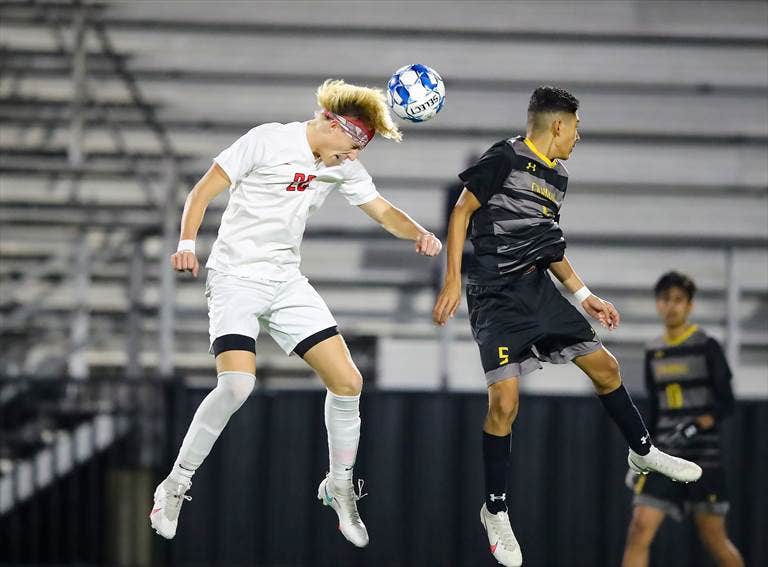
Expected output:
(358, 130)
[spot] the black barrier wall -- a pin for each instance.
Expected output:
(254, 500)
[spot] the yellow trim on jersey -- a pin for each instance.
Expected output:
(540, 155)
(675, 399)
(640, 484)
(682, 338)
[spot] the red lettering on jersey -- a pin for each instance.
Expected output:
(300, 182)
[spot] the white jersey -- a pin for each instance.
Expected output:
(276, 185)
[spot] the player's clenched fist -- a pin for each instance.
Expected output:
(447, 303)
(428, 245)
(185, 261)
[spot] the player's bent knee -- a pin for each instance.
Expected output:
(236, 387)
(609, 383)
(503, 408)
(612, 366)
(345, 390)
(349, 385)
(608, 375)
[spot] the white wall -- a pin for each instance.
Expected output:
(414, 364)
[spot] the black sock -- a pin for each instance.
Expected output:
(496, 452)
(619, 406)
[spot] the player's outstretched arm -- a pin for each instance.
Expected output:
(398, 223)
(211, 184)
(449, 297)
(597, 308)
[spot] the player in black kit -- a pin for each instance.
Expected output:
(689, 389)
(512, 198)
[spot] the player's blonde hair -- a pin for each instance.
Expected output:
(364, 103)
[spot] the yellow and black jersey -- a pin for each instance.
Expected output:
(687, 378)
(516, 227)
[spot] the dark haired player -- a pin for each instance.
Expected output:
(689, 386)
(512, 197)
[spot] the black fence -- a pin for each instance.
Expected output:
(254, 499)
(77, 458)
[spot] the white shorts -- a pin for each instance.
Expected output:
(289, 311)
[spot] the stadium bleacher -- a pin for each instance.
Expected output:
(675, 132)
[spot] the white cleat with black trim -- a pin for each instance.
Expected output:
(501, 538)
(169, 496)
(675, 468)
(344, 501)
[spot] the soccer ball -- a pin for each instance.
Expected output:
(416, 93)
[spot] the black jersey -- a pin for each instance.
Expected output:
(687, 378)
(516, 228)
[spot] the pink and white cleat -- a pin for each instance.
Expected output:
(169, 496)
(504, 546)
(344, 501)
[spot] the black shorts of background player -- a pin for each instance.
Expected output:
(513, 196)
(689, 388)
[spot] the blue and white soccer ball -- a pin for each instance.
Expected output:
(416, 92)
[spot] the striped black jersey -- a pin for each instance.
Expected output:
(687, 378)
(516, 227)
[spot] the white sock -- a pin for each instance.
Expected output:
(342, 421)
(209, 421)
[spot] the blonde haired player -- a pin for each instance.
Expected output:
(277, 176)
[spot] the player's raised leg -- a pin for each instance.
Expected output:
(331, 360)
(603, 369)
(642, 529)
(236, 369)
(503, 399)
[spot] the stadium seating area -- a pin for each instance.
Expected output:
(111, 111)
(671, 171)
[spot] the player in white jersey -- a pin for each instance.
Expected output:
(277, 176)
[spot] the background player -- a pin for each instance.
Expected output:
(278, 175)
(512, 197)
(689, 389)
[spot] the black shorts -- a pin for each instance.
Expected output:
(708, 495)
(520, 323)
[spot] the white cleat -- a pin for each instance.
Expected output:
(169, 496)
(344, 501)
(504, 546)
(675, 468)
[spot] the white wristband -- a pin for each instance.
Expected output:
(582, 293)
(186, 246)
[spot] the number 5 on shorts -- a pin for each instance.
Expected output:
(503, 355)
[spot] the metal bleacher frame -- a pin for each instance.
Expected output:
(82, 19)
(106, 234)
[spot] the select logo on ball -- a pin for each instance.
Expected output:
(430, 103)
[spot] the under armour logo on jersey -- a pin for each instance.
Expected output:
(531, 166)
(494, 498)
(644, 439)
